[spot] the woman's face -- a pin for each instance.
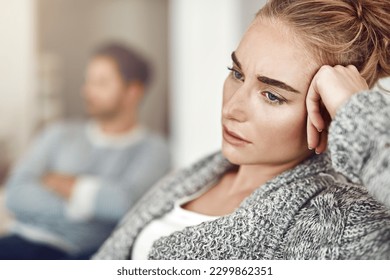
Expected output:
(264, 112)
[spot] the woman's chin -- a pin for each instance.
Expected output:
(233, 155)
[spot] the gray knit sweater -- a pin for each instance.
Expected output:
(308, 212)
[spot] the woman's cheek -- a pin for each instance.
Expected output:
(297, 128)
(284, 123)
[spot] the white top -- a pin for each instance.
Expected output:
(177, 219)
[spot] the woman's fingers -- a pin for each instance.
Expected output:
(313, 136)
(316, 140)
(329, 89)
(323, 142)
(313, 104)
(315, 121)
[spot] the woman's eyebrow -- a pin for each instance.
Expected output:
(235, 60)
(276, 83)
(266, 80)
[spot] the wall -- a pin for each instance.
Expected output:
(18, 75)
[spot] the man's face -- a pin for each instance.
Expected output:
(104, 88)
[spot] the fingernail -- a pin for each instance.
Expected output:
(310, 148)
(319, 130)
(317, 152)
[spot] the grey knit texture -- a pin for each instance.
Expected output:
(304, 213)
(359, 142)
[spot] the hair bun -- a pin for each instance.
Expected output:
(376, 19)
(358, 8)
(341, 32)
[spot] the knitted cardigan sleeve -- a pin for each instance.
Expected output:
(359, 145)
(359, 142)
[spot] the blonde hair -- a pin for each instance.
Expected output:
(340, 32)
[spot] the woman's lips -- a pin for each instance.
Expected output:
(233, 138)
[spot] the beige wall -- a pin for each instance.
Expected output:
(17, 72)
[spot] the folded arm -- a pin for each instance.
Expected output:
(100, 198)
(25, 191)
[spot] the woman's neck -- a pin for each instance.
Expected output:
(250, 177)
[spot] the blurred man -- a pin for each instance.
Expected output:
(79, 179)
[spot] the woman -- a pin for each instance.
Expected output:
(273, 193)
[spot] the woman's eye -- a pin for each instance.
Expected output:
(272, 98)
(237, 75)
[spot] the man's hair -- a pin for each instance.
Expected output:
(131, 65)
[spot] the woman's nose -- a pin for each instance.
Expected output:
(235, 107)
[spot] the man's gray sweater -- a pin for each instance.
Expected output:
(112, 174)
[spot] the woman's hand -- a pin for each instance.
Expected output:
(330, 88)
